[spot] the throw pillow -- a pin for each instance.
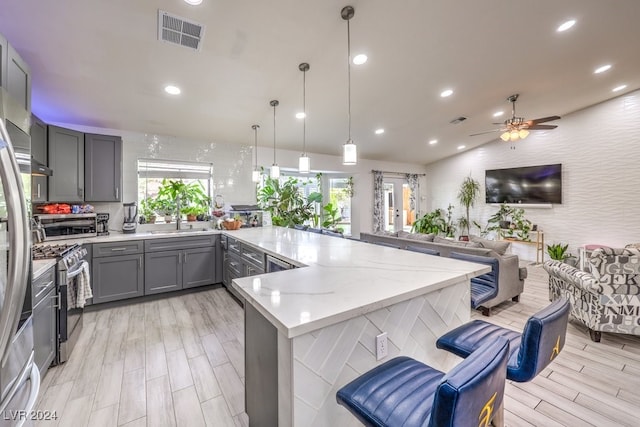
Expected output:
(439, 239)
(403, 234)
(498, 247)
(419, 236)
(386, 233)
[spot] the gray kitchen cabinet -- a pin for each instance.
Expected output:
(18, 79)
(102, 168)
(44, 319)
(39, 153)
(162, 272)
(4, 46)
(199, 267)
(117, 277)
(66, 159)
(180, 263)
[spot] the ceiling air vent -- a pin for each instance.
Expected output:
(458, 120)
(177, 30)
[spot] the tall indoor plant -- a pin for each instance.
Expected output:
(467, 195)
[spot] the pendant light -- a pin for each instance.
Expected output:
(349, 151)
(304, 163)
(255, 176)
(275, 169)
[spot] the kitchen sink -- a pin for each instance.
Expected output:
(184, 230)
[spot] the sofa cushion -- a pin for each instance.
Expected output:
(385, 233)
(498, 247)
(416, 236)
(460, 243)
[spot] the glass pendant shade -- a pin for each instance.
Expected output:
(255, 176)
(274, 173)
(505, 136)
(304, 164)
(349, 154)
(523, 133)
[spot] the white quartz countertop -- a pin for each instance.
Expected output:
(343, 278)
(118, 236)
(40, 266)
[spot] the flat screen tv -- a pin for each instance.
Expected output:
(531, 184)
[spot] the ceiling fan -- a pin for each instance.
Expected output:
(517, 128)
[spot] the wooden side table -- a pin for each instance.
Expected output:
(538, 242)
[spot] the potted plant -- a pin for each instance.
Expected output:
(191, 212)
(331, 215)
(183, 197)
(431, 222)
(559, 252)
(286, 203)
(467, 195)
(147, 211)
(501, 218)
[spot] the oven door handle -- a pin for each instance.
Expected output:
(76, 271)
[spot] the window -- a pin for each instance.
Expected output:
(340, 197)
(151, 173)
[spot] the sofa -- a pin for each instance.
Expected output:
(606, 298)
(511, 280)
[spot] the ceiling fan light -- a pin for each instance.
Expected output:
(523, 133)
(514, 135)
(505, 136)
(255, 176)
(349, 153)
(304, 164)
(274, 172)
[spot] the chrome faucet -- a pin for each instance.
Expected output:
(178, 216)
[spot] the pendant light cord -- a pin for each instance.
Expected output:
(304, 111)
(255, 132)
(274, 134)
(349, 74)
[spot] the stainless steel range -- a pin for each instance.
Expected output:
(68, 268)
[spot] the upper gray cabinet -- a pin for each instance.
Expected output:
(39, 153)
(103, 168)
(66, 159)
(4, 46)
(18, 79)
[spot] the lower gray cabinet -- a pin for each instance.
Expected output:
(117, 277)
(44, 331)
(199, 267)
(181, 263)
(162, 272)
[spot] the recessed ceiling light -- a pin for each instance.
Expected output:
(193, 2)
(172, 90)
(566, 25)
(498, 113)
(300, 115)
(433, 142)
(446, 93)
(379, 131)
(461, 147)
(602, 69)
(360, 59)
(619, 88)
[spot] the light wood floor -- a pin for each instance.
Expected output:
(179, 361)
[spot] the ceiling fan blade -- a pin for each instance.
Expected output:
(483, 133)
(542, 120)
(540, 127)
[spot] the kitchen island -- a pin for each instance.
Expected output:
(310, 330)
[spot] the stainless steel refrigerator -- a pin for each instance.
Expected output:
(19, 375)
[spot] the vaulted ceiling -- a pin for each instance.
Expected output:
(100, 63)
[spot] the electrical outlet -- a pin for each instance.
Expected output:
(381, 346)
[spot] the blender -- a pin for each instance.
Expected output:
(130, 216)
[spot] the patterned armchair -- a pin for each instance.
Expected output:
(607, 299)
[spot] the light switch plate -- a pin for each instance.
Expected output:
(381, 346)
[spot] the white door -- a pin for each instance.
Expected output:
(394, 212)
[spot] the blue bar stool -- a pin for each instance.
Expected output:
(484, 287)
(405, 392)
(540, 342)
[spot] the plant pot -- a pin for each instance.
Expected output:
(463, 238)
(505, 224)
(168, 218)
(201, 217)
(191, 217)
(151, 219)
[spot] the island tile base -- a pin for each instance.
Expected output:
(313, 366)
